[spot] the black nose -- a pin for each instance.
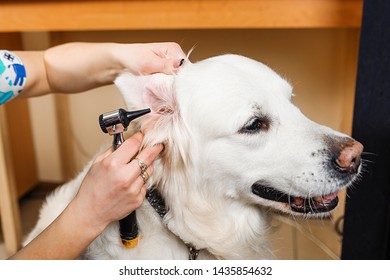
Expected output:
(348, 156)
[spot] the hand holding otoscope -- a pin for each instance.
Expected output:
(115, 123)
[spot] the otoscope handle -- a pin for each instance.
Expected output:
(117, 140)
(128, 226)
(128, 229)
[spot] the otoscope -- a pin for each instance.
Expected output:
(115, 123)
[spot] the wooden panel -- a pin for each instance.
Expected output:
(64, 125)
(21, 142)
(17, 160)
(64, 15)
(9, 210)
(19, 131)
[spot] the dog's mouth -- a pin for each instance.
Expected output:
(303, 205)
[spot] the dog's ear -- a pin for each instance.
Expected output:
(164, 123)
(152, 91)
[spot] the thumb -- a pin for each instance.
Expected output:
(167, 65)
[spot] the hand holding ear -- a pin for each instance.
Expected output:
(150, 58)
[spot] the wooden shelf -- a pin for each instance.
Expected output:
(68, 15)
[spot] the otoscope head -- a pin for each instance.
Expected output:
(117, 121)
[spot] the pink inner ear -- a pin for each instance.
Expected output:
(152, 100)
(165, 111)
(159, 100)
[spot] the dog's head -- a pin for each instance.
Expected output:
(230, 129)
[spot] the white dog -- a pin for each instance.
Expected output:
(235, 146)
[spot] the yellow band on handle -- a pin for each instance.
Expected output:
(129, 244)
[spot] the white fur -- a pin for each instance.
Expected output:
(208, 166)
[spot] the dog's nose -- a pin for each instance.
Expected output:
(349, 157)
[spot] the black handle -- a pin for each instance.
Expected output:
(128, 227)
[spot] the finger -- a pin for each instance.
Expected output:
(137, 189)
(141, 180)
(137, 199)
(165, 65)
(149, 154)
(145, 157)
(173, 50)
(128, 149)
(175, 64)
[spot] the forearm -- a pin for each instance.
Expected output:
(77, 67)
(36, 83)
(65, 238)
(69, 68)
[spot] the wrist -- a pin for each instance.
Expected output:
(113, 64)
(115, 58)
(85, 220)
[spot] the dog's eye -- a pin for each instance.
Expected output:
(255, 125)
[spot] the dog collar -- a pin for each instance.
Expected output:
(157, 202)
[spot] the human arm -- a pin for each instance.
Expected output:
(110, 191)
(107, 193)
(77, 67)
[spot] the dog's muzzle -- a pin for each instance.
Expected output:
(343, 163)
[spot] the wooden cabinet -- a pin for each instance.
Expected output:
(17, 161)
(18, 131)
(21, 146)
(68, 15)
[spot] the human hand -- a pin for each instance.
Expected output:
(149, 58)
(76, 67)
(113, 187)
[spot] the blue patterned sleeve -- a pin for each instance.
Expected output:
(12, 76)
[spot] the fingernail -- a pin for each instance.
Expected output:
(180, 63)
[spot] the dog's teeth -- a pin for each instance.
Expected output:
(318, 198)
(298, 201)
(330, 196)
